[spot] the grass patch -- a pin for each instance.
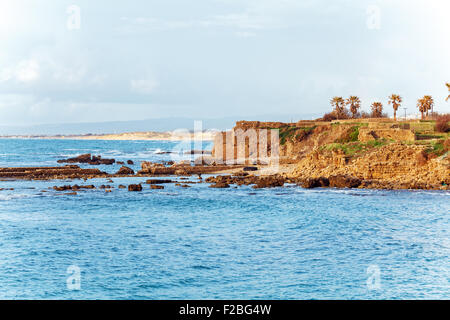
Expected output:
(354, 133)
(355, 147)
(288, 132)
(429, 136)
(436, 148)
(350, 136)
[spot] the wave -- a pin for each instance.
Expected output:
(8, 197)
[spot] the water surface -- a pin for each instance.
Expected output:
(203, 243)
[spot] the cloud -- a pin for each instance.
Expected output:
(239, 20)
(25, 71)
(144, 86)
(213, 58)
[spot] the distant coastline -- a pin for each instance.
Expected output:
(146, 135)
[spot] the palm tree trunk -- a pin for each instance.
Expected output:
(395, 115)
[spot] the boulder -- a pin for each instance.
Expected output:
(269, 182)
(344, 181)
(309, 183)
(220, 185)
(158, 181)
(154, 186)
(135, 187)
(130, 162)
(125, 171)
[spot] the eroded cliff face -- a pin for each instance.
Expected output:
(294, 141)
(380, 154)
(393, 166)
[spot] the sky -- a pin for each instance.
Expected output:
(107, 60)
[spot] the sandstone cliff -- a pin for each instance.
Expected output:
(393, 166)
(382, 154)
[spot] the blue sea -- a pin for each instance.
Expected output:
(203, 243)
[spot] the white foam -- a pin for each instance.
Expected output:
(7, 197)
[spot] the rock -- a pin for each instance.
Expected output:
(62, 188)
(49, 173)
(315, 183)
(220, 185)
(250, 169)
(130, 162)
(181, 168)
(269, 182)
(154, 186)
(75, 187)
(121, 186)
(135, 187)
(125, 171)
(181, 172)
(120, 162)
(158, 181)
(422, 158)
(344, 181)
(87, 158)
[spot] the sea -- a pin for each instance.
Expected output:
(205, 243)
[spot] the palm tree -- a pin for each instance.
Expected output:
(355, 103)
(339, 106)
(421, 104)
(448, 87)
(429, 103)
(377, 109)
(395, 100)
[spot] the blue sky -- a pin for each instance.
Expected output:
(135, 59)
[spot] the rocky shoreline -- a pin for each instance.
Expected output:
(372, 155)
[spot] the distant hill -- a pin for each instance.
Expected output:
(162, 124)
